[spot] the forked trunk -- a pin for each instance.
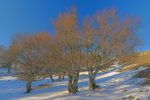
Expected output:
(73, 83)
(92, 83)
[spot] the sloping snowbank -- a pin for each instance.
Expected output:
(113, 86)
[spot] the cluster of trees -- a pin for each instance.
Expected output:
(93, 44)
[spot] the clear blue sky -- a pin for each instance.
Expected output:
(30, 16)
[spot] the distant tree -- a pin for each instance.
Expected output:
(2, 52)
(7, 57)
(10, 58)
(31, 57)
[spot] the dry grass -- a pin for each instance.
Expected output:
(141, 60)
(43, 86)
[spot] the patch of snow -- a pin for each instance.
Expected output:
(113, 86)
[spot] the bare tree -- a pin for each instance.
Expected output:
(67, 33)
(31, 57)
(2, 52)
(108, 39)
(95, 45)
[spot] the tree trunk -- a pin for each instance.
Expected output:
(9, 69)
(92, 75)
(28, 86)
(70, 83)
(92, 83)
(51, 76)
(73, 83)
(59, 78)
(63, 77)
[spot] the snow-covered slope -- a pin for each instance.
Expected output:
(113, 86)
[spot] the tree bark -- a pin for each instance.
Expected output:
(92, 83)
(73, 83)
(59, 78)
(51, 76)
(70, 83)
(9, 67)
(28, 86)
(63, 77)
(9, 70)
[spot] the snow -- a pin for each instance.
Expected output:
(7, 78)
(113, 86)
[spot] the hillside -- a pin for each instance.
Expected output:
(113, 86)
(142, 59)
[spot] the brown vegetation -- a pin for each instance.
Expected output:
(142, 59)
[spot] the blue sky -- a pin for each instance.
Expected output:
(30, 16)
